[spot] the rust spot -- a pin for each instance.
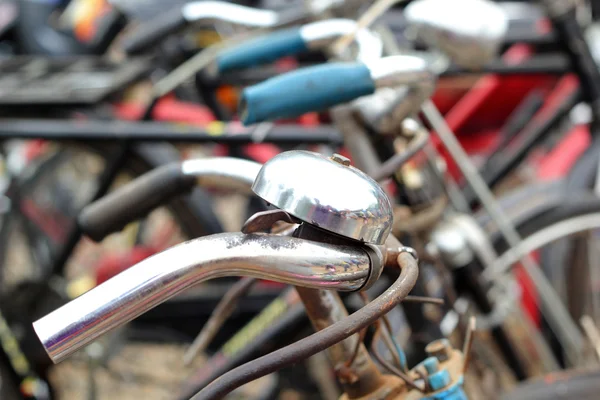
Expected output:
(345, 375)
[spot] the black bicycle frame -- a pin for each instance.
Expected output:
(117, 131)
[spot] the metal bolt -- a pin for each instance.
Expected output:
(440, 349)
(410, 127)
(338, 158)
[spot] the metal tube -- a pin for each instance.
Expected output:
(162, 276)
(213, 11)
(402, 70)
(112, 131)
(223, 172)
(321, 34)
(325, 308)
(539, 239)
(403, 83)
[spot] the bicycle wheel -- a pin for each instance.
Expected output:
(559, 228)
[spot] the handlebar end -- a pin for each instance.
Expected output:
(262, 50)
(310, 89)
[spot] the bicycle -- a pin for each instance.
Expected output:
(297, 260)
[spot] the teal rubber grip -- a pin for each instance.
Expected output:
(262, 50)
(305, 90)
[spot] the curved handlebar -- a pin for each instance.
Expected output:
(323, 86)
(292, 41)
(149, 33)
(145, 193)
(164, 275)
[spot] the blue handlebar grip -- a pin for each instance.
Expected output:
(308, 89)
(262, 50)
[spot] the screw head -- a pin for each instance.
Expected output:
(340, 159)
(440, 349)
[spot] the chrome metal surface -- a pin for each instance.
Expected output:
(476, 237)
(337, 198)
(404, 82)
(540, 239)
(451, 244)
(384, 110)
(470, 32)
(321, 34)
(476, 242)
(317, 7)
(156, 279)
(394, 71)
(223, 172)
(211, 11)
(377, 258)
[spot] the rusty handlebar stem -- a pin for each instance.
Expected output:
(321, 340)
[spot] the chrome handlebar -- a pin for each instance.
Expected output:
(145, 285)
(211, 11)
(223, 172)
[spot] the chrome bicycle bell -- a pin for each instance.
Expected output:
(328, 193)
